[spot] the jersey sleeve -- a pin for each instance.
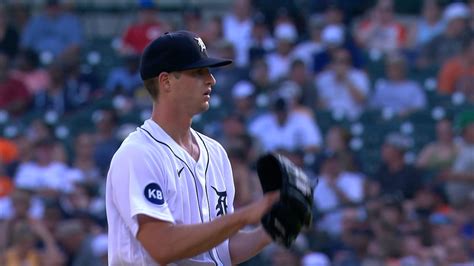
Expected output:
(139, 185)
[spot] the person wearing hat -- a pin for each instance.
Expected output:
(450, 42)
(169, 189)
(279, 61)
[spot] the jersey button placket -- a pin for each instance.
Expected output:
(198, 173)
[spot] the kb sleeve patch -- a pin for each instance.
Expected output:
(154, 194)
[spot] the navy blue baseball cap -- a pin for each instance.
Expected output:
(176, 51)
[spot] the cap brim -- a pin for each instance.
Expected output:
(209, 62)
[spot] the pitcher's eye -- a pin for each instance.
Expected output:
(201, 71)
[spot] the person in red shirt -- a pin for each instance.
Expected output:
(381, 32)
(457, 74)
(147, 28)
(14, 96)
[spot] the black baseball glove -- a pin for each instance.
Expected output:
(294, 209)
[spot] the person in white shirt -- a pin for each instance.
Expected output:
(280, 60)
(237, 29)
(336, 190)
(306, 50)
(45, 174)
(286, 128)
(170, 190)
(343, 88)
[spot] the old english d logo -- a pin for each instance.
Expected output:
(221, 206)
(201, 44)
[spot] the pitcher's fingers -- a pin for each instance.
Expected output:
(272, 197)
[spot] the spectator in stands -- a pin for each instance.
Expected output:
(84, 158)
(58, 97)
(17, 210)
(279, 61)
(308, 48)
(243, 95)
(228, 76)
(28, 70)
(277, 255)
(428, 26)
(100, 247)
(14, 96)
(77, 243)
(193, 20)
(83, 84)
(237, 28)
(245, 178)
(125, 80)
(337, 189)
(53, 31)
(387, 225)
(414, 252)
(300, 76)
(457, 73)
(261, 41)
(449, 43)
(457, 251)
(147, 28)
(106, 141)
(292, 94)
(337, 141)
(276, 9)
(24, 148)
(45, 175)
(80, 201)
(355, 238)
(396, 92)
(9, 154)
(37, 130)
(22, 214)
(8, 35)
(285, 128)
(439, 155)
(334, 37)
(394, 177)
(342, 88)
(213, 33)
(231, 128)
(264, 87)
(53, 213)
(23, 249)
(381, 31)
(334, 14)
(460, 181)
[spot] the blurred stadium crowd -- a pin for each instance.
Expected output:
(374, 99)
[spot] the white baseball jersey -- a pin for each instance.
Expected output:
(151, 174)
